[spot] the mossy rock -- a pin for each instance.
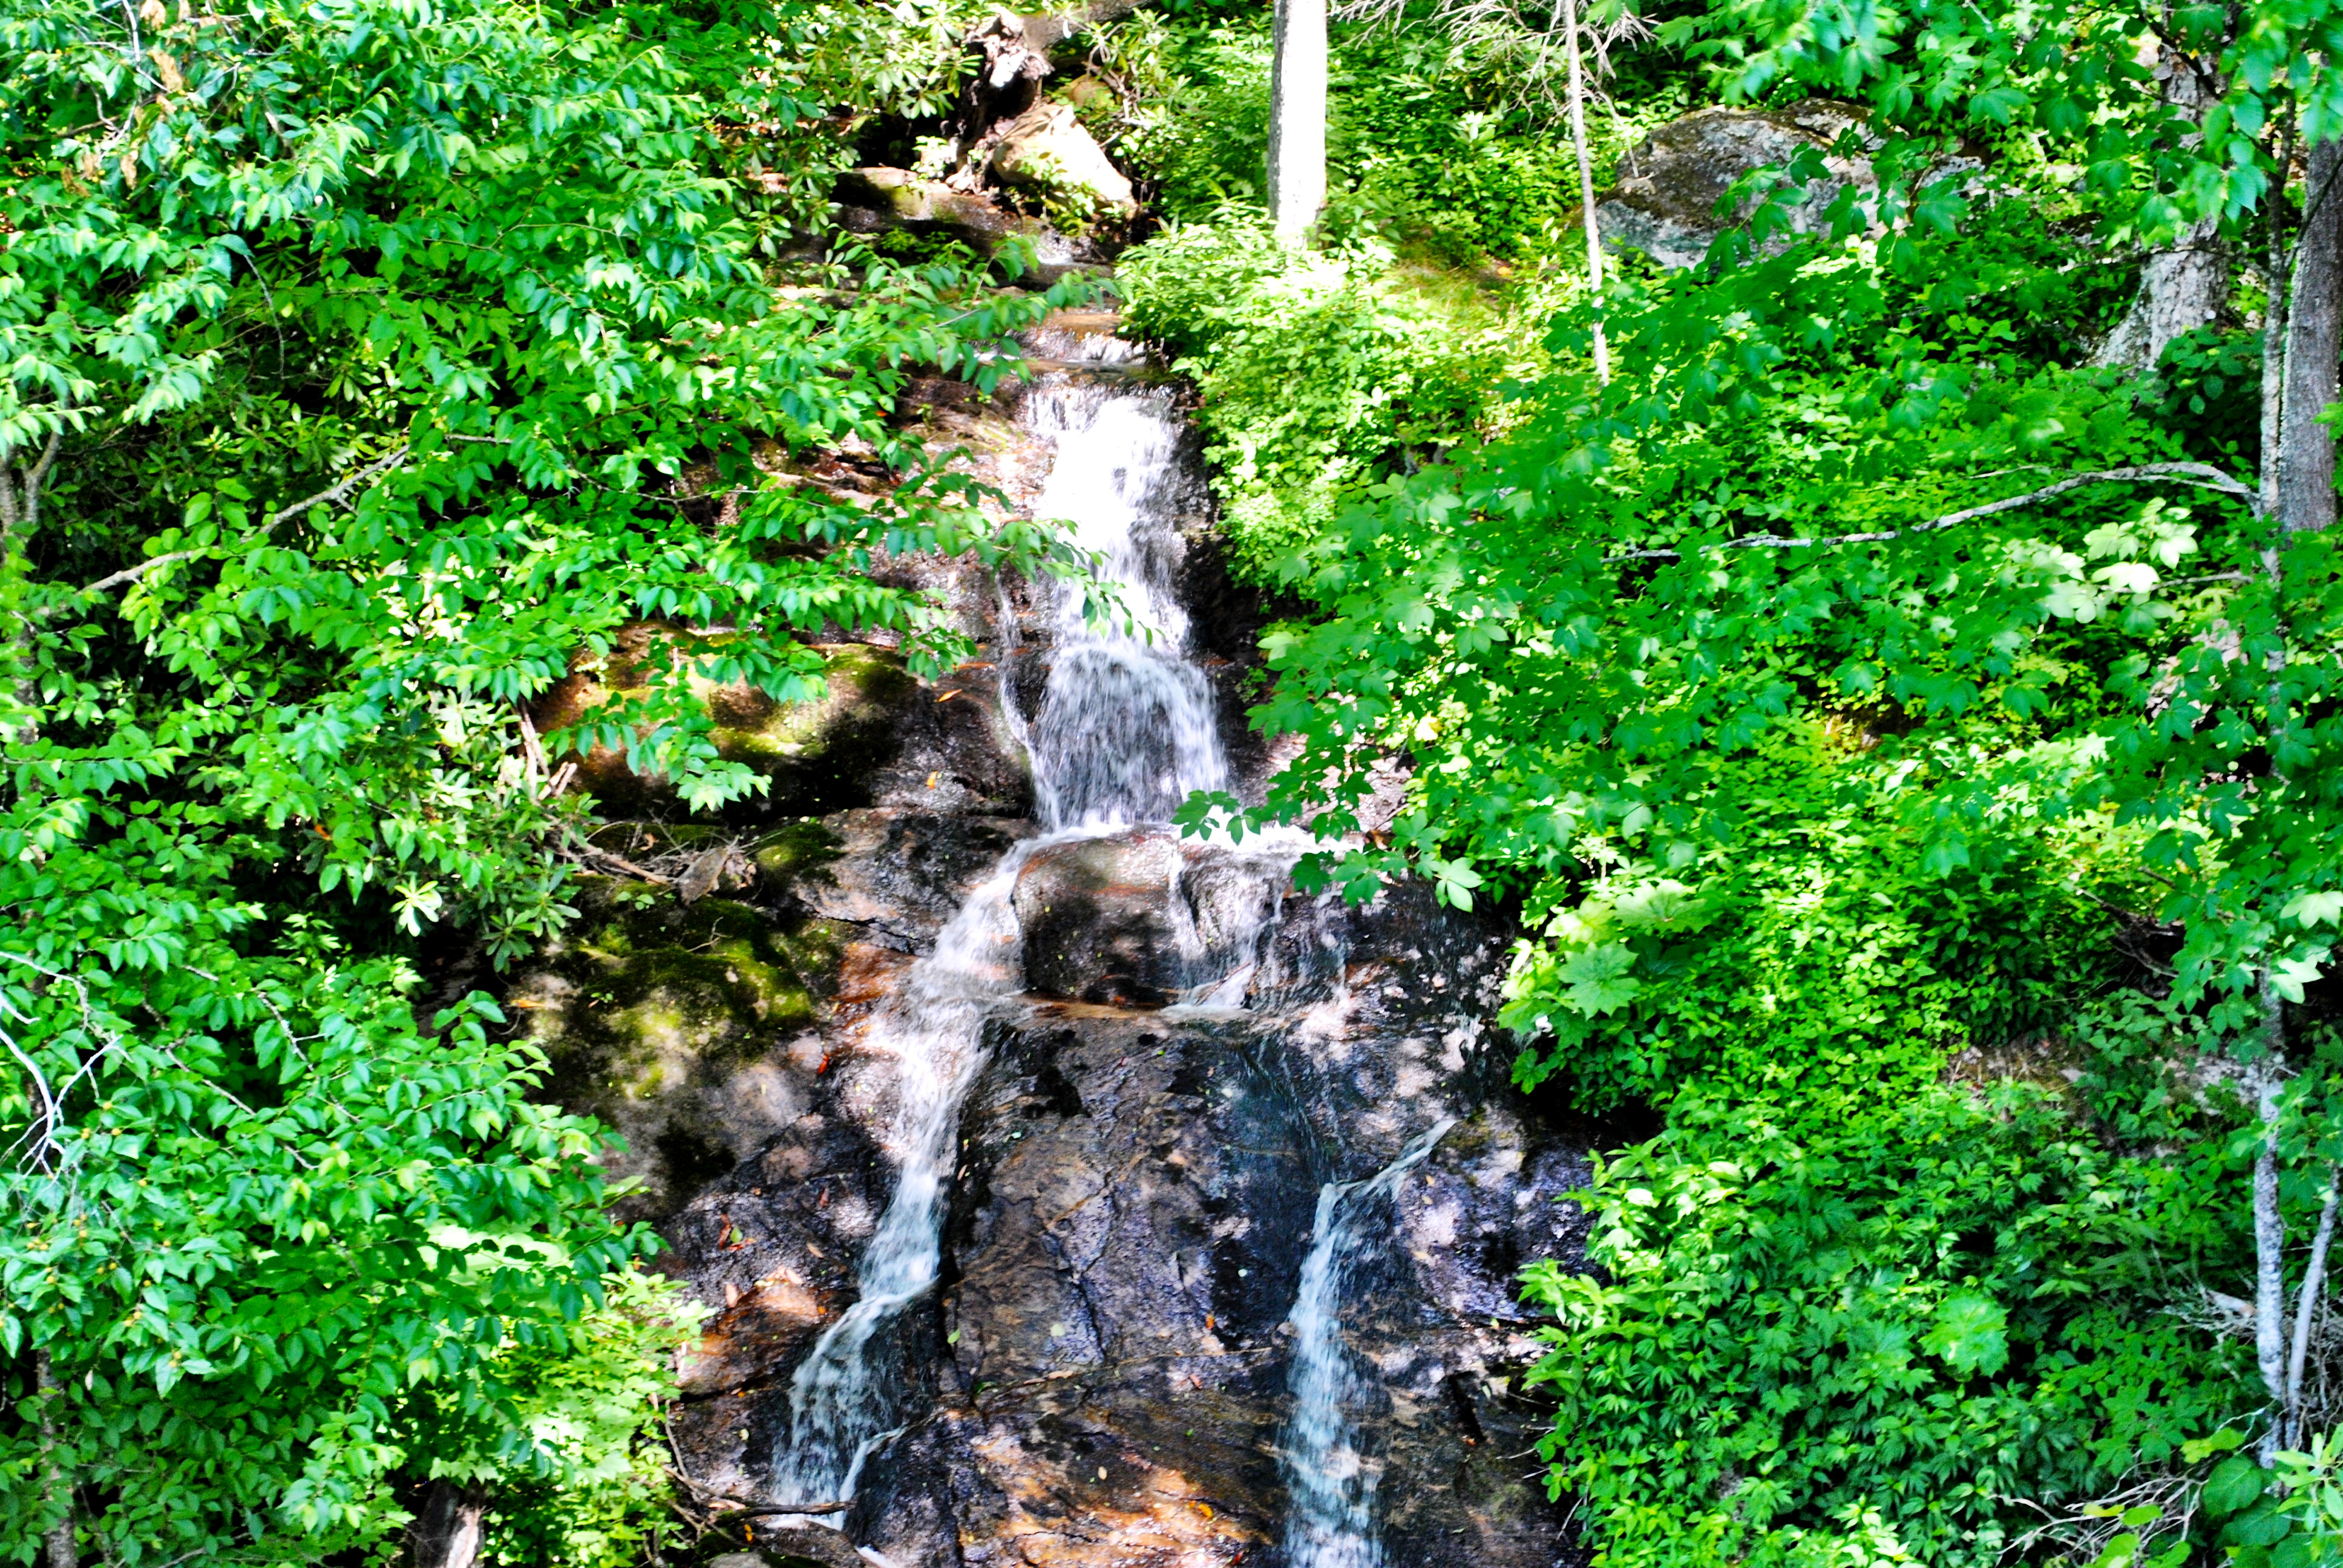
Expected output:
(674, 1025)
(814, 756)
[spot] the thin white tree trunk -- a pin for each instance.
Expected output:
(1586, 186)
(2270, 1221)
(1297, 119)
(2306, 1312)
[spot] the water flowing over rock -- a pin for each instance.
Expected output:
(1330, 1473)
(1021, 1244)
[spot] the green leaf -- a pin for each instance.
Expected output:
(1970, 1331)
(1597, 979)
(2235, 1484)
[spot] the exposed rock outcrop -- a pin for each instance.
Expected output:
(1138, 1199)
(1669, 186)
(1045, 150)
(883, 200)
(1100, 1375)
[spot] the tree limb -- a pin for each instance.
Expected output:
(1045, 31)
(39, 472)
(620, 861)
(2203, 474)
(2314, 1285)
(324, 498)
(20, 501)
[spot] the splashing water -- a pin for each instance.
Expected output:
(1331, 1520)
(839, 1412)
(1126, 729)
(1125, 732)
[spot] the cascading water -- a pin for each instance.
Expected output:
(1125, 730)
(1330, 1522)
(1126, 727)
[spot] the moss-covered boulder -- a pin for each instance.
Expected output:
(690, 1031)
(814, 756)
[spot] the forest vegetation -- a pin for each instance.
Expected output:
(1904, 729)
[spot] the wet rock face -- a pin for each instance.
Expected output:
(897, 874)
(1102, 1369)
(1138, 1193)
(1097, 916)
(679, 1028)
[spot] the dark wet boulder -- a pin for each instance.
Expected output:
(1097, 916)
(691, 1031)
(895, 873)
(1143, 916)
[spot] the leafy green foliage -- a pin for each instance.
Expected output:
(1817, 956)
(370, 363)
(1822, 1339)
(289, 1226)
(595, 1492)
(1319, 371)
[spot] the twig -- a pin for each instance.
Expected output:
(749, 1505)
(2203, 474)
(620, 861)
(2314, 1283)
(324, 497)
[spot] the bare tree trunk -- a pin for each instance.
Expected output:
(2185, 285)
(1586, 186)
(2306, 1310)
(446, 1534)
(1297, 119)
(2274, 281)
(2314, 336)
(2267, 1076)
(60, 1550)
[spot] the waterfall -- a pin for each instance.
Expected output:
(1124, 731)
(1330, 1520)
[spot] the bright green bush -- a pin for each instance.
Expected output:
(1829, 1335)
(594, 1492)
(1318, 371)
(1817, 954)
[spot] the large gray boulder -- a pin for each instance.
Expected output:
(1047, 151)
(1666, 201)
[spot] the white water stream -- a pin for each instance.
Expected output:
(1125, 730)
(1330, 1520)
